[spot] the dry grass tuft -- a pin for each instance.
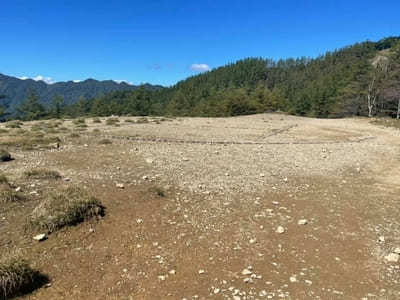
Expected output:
(8, 194)
(105, 142)
(42, 174)
(4, 155)
(65, 207)
(112, 121)
(14, 124)
(17, 277)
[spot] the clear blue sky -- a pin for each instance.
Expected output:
(159, 41)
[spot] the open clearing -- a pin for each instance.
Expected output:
(193, 206)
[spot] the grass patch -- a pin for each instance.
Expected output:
(14, 124)
(79, 121)
(3, 179)
(30, 141)
(8, 194)
(65, 207)
(105, 142)
(129, 121)
(42, 174)
(142, 120)
(158, 191)
(74, 135)
(96, 120)
(4, 155)
(18, 278)
(112, 121)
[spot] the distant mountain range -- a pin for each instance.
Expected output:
(16, 90)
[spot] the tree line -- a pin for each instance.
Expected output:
(362, 79)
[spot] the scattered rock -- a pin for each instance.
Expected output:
(280, 229)
(246, 272)
(302, 222)
(149, 160)
(120, 185)
(381, 239)
(397, 250)
(201, 271)
(40, 237)
(392, 257)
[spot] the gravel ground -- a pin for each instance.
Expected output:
(257, 207)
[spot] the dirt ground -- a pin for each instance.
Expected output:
(230, 184)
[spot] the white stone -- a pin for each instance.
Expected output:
(392, 257)
(302, 222)
(201, 271)
(246, 272)
(40, 237)
(293, 279)
(397, 250)
(149, 160)
(120, 186)
(280, 229)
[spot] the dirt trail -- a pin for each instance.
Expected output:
(213, 236)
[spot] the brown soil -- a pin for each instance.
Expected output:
(228, 184)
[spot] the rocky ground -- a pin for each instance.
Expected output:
(258, 207)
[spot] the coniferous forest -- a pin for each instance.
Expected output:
(358, 80)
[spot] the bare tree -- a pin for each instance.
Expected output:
(380, 65)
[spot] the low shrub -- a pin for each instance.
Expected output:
(64, 207)
(96, 120)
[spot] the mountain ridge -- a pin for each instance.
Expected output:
(16, 90)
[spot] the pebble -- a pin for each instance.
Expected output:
(120, 186)
(280, 229)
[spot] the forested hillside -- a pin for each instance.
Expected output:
(17, 90)
(362, 79)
